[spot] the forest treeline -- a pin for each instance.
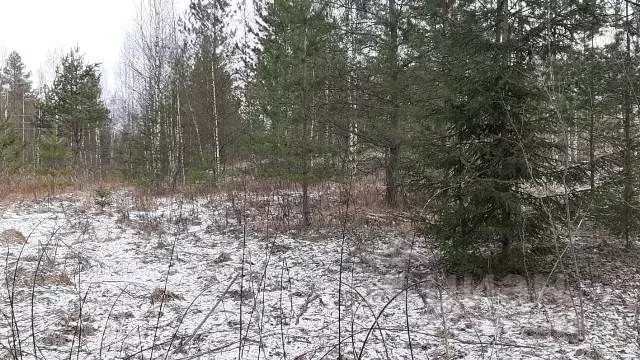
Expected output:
(499, 124)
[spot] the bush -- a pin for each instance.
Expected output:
(201, 178)
(103, 198)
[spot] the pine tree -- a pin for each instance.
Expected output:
(212, 102)
(376, 35)
(54, 155)
(15, 77)
(15, 81)
(292, 84)
(73, 106)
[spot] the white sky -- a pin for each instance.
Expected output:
(40, 30)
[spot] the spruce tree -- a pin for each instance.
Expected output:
(493, 137)
(616, 203)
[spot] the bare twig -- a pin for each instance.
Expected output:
(213, 309)
(162, 299)
(106, 323)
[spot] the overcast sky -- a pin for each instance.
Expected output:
(41, 29)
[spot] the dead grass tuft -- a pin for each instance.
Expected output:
(55, 339)
(12, 236)
(158, 294)
(58, 278)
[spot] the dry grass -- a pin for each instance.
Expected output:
(12, 236)
(55, 278)
(144, 200)
(158, 295)
(281, 201)
(33, 186)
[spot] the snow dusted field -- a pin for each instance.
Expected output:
(165, 279)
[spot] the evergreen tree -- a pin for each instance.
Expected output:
(9, 148)
(73, 106)
(376, 36)
(292, 84)
(616, 203)
(211, 99)
(15, 77)
(15, 82)
(53, 152)
(494, 133)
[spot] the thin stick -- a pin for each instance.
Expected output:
(106, 323)
(284, 350)
(162, 299)
(406, 299)
(384, 308)
(212, 309)
(33, 291)
(244, 246)
(184, 314)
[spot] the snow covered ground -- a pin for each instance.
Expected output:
(178, 278)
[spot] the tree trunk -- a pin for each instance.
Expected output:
(352, 130)
(592, 135)
(215, 119)
(306, 137)
(180, 136)
(393, 150)
(195, 126)
(592, 155)
(628, 176)
(98, 152)
(24, 142)
(77, 142)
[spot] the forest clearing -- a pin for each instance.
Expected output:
(320, 179)
(135, 276)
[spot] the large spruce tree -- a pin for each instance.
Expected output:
(495, 135)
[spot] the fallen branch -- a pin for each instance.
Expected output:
(305, 307)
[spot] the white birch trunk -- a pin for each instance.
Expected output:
(215, 120)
